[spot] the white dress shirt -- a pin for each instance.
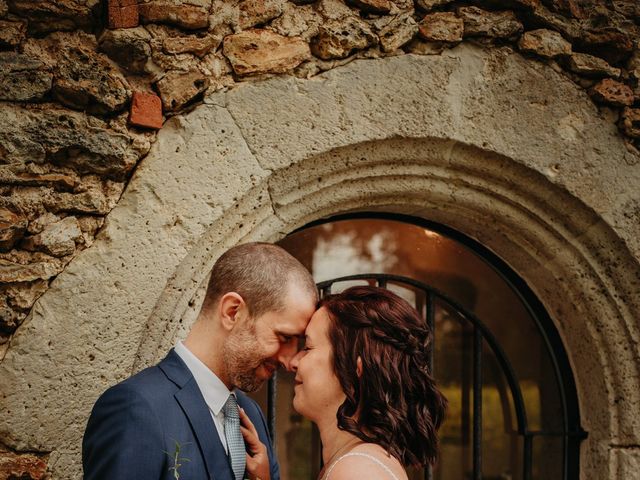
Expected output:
(215, 392)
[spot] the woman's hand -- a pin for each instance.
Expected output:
(258, 458)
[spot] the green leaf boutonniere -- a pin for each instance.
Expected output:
(177, 459)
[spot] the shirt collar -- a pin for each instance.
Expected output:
(214, 391)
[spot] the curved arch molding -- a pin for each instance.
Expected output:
(501, 148)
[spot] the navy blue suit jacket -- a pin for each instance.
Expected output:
(135, 423)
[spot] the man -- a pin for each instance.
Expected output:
(179, 419)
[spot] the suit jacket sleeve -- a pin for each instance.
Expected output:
(123, 439)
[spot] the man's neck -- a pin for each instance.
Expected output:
(205, 343)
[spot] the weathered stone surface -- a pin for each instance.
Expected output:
(21, 266)
(262, 51)
(198, 46)
(146, 110)
(190, 17)
(612, 92)
(96, 198)
(258, 12)
(608, 43)
(631, 122)
(32, 174)
(122, 13)
(569, 28)
(12, 33)
(54, 15)
(335, 10)
(56, 135)
(341, 38)
(58, 239)
(478, 22)
(428, 5)
(545, 43)
(39, 224)
(85, 80)
(441, 27)
(4, 8)
(129, 47)
(23, 466)
(590, 66)
(12, 228)
(398, 32)
(374, 6)
(23, 295)
(300, 22)
(23, 78)
(179, 88)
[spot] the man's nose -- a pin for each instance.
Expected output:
(287, 354)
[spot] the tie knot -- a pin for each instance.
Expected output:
(230, 407)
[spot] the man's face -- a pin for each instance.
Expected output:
(256, 348)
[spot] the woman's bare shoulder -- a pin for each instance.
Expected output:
(368, 461)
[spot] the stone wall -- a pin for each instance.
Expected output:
(85, 85)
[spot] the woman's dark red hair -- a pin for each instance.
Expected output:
(395, 402)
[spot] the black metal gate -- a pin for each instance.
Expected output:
(428, 303)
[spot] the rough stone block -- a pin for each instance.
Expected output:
(482, 23)
(545, 43)
(190, 17)
(262, 51)
(441, 27)
(612, 92)
(146, 110)
(23, 78)
(86, 80)
(428, 5)
(122, 14)
(340, 38)
(45, 16)
(12, 228)
(129, 47)
(58, 239)
(179, 88)
(258, 12)
(372, 6)
(590, 66)
(398, 32)
(12, 33)
(631, 122)
(197, 46)
(22, 466)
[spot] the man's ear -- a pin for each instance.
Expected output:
(359, 366)
(229, 306)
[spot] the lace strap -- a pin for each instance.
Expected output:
(360, 454)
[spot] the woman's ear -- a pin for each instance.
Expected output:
(359, 366)
(228, 307)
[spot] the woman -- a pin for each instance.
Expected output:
(363, 378)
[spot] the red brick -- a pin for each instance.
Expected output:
(146, 110)
(123, 14)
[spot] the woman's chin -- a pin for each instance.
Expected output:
(298, 405)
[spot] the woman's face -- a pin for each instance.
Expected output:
(318, 393)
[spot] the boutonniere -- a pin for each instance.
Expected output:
(177, 459)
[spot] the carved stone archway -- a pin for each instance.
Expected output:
(505, 151)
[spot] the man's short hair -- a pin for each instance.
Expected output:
(261, 273)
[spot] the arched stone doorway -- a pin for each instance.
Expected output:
(556, 204)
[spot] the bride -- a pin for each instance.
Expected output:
(363, 378)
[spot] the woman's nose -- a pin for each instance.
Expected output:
(293, 364)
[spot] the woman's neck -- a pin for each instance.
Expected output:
(335, 442)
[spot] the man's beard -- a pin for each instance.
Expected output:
(243, 356)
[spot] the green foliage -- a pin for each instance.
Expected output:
(177, 459)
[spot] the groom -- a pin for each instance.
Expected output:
(179, 419)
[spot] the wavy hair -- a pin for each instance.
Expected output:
(394, 402)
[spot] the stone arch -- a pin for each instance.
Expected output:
(434, 137)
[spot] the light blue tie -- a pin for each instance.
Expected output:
(235, 443)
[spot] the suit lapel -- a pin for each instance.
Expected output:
(192, 403)
(196, 410)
